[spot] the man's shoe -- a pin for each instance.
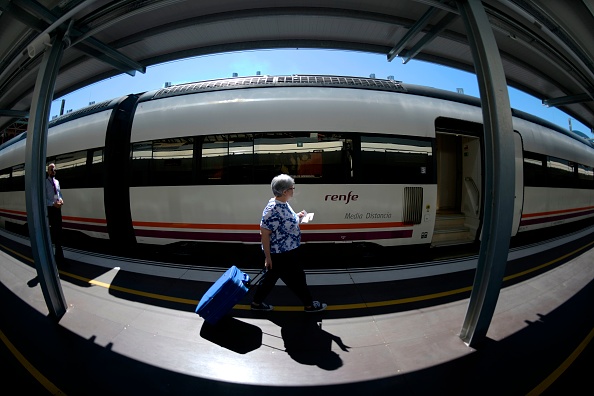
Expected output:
(316, 306)
(261, 307)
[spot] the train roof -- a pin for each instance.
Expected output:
(94, 108)
(341, 82)
(14, 140)
(276, 81)
(301, 81)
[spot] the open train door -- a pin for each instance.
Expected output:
(459, 189)
(518, 183)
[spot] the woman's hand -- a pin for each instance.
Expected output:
(265, 234)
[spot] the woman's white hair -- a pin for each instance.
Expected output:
(281, 183)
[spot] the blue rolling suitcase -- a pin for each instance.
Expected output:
(227, 291)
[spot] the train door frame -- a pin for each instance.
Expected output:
(471, 183)
(459, 188)
(460, 181)
(448, 170)
(519, 182)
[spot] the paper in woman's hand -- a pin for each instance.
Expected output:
(307, 218)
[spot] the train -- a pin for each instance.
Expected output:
(376, 161)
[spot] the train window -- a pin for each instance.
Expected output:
(585, 176)
(95, 167)
(5, 179)
(336, 152)
(71, 169)
(172, 161)
(227, 159)
(535, 171)
(240, 159)
(391, 159)
(561, 173)
(274, 154)
(309, 157)
(18, 178)
(141, 154)
(543, 171)
(214, 153)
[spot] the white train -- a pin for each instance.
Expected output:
(377, 161)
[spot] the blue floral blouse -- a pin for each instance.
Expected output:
(280, 218)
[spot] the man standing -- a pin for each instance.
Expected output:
(54, 202)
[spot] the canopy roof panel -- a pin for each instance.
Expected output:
(545, 45)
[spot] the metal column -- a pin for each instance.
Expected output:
(35, 178)
(499, 172)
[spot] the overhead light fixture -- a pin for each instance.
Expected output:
(38, 45)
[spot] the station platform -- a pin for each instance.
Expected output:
(131, 333)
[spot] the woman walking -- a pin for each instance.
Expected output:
(281, 238)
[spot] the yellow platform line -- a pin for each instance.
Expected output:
(276, 308)
(564, 366)
(548, 263)
(338, 307)
(537, 390)
(46, 383)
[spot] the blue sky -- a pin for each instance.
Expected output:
(301, 61)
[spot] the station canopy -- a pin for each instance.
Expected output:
(546, 46)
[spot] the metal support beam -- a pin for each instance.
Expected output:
(102, 51)
(106, 54)
(39, 236)
(499, 172)
(565, 100)
(416, 28)
(428, 37)
(14, 113)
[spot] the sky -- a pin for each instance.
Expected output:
(301, 61)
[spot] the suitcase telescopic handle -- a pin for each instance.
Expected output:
(257, 279)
